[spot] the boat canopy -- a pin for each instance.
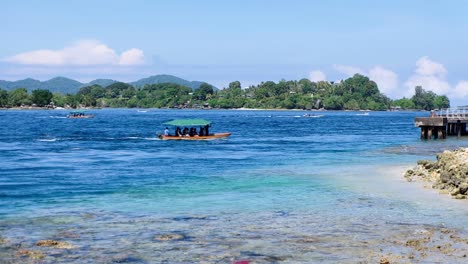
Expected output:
(188, 122)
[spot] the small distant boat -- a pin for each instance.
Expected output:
(363, 114)
(196, 137)
(79, 114)
(312, 115)
(142, 111)
(193, 123)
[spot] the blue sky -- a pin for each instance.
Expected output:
(397, 43)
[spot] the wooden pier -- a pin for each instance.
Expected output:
(443, 123)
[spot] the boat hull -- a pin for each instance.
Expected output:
(88, 116)
(214, 136)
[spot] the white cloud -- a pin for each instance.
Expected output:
(386, 79)
(132, 57)
(84, 52)
(427, 67)
(461, 90)
(316, 76)
(430, 75)
(348, 70)
(429, 83)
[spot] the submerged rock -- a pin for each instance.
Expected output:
(54, 244)
(68, 234)
(30, 254)
(384, 260)
(448, 174)
(126, 259)
(167, 237)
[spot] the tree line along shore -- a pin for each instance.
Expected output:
(355, 93)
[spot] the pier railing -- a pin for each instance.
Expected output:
(459, 113)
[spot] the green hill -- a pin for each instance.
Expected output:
(58, 84)
(65, 85)
(100, 82)
(61, 85)
(164, 78)
(28, 83)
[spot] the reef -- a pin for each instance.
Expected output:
(449, 173)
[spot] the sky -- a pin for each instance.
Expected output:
(398, 44)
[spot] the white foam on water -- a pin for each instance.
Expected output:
(48, 140)
(152, 138)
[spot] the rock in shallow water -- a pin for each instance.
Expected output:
(30, 253)
(449, 173)
(54, 244)
(167, 237)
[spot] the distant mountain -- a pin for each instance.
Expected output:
(34, 84)
(164, 78)
(65, 85)
(101, 82)
(62, 85)
(57, 84)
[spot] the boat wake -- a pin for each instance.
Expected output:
(295, 116)
(312, 116)
(47, 140)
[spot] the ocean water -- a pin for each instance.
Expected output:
(282, 188)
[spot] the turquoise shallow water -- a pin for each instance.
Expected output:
(109, 186)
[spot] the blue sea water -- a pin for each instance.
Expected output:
(110, 187)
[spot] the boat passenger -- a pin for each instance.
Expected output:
(207, 133)
(202, 132)
(166, 131)
(178, 132)
(185, 132)
(193, 131)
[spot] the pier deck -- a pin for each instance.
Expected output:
(443, 123)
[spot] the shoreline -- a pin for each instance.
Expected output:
(234, 109)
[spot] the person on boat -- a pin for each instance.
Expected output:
(185, 132)
(202, 132)
(178, 132)
(207, 133)
(166, 131)
(193, 131)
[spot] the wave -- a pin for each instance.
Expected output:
(47, 140)
(313, 116)
(295, 116)
(132, 138)
(156, 138)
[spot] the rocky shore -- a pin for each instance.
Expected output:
(449, 173)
